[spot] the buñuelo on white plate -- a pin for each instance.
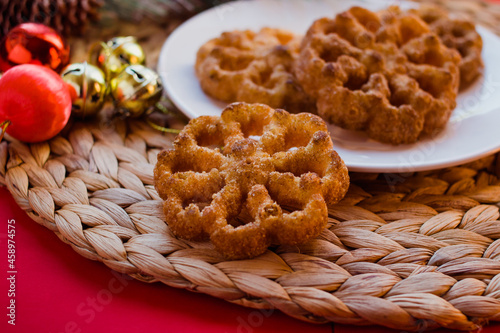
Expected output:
(473, 129)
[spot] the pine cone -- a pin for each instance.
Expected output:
(65, 16)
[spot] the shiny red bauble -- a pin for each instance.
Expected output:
(36, 101)
(33, 43)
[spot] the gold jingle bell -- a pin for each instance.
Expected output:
(135, 90)
(88, 88)
(116, 54)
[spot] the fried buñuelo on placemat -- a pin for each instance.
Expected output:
(253, 67)
(457, 33)
(250, 178)
(383, 73)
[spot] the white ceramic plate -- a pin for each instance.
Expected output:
(473, 130)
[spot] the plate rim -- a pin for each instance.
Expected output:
(356, 166)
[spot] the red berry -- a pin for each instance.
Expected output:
(35, 100)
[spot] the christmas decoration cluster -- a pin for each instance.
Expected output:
(40, 89)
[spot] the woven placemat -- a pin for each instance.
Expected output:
(409, 251)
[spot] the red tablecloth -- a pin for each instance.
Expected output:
(58, 291)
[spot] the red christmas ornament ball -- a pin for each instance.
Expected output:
(36, 101)
(33, 43)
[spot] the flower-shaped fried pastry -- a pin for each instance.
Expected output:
(383, 73)
(251, 178)
(253, 67)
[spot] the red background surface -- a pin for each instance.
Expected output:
(59, 291)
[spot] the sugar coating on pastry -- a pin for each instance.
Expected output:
(253, 177)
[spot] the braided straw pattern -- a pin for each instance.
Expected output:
(408, 251)
(404, 251)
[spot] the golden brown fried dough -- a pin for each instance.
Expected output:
(459, 34)
(251, 178)
(244, 66)
(383, 73)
